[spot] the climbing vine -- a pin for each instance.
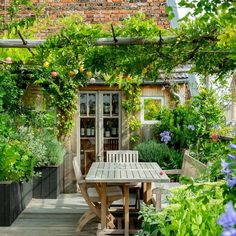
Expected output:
(69, 58)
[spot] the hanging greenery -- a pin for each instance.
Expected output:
(69, 58)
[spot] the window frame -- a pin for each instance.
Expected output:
(143, 121)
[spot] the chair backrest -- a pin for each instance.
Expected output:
(78, 173)
(122, 156)
(191, 167)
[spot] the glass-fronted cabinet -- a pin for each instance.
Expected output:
(99, 126)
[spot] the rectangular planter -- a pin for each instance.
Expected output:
(14, 198)
(48, 185)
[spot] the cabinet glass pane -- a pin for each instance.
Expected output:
(87, 127)
(92, 104)
(106, 104)
(87, 143)
(111, 127)
(87, 154)
(110, 144)
(83, 104)
(111, 134)
(115, 104)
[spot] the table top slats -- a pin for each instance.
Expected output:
(112, 172)
(117, 174)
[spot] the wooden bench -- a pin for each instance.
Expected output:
(191, 168)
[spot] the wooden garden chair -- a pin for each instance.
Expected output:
(91, 194)
(191, 168)
(120, 156)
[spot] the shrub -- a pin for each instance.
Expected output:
(190, 122)
(16, 159)
(36, 146)
(151, 151)
(55, 151)
(16, 162)
(193, 210)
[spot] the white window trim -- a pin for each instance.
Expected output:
(142, 109)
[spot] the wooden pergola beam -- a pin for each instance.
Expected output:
(29, 43)
(17, 43)
(133, 41)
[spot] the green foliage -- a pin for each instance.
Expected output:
(208, 9)
(50, 151)
(208, 150)
(16, 159)
(209, 109)
(35, 146)
(176, 120)
(10, 92)
(193, 210)
(166, 157)
(55, 151)
(151, 108)
(203, 113)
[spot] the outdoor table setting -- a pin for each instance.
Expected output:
(123, 174)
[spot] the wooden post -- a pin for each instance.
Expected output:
(103, 206)
(126, 212)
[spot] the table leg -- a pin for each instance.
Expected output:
(103, 205)
(126, 206)
(147, 193)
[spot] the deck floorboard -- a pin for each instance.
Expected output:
(53, 217)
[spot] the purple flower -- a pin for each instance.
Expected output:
(192, 127)
(165, 136)
(228, 219)
(225, 164)
(231, 182)
(225, 167)
(233, 146)
(233, 157)
(229, 232)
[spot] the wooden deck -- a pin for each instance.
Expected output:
(53, 217)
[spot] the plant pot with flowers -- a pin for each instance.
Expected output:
(16, 171)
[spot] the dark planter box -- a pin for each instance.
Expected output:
(14, 197)
(48, 185)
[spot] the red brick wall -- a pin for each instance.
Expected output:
(102, 11)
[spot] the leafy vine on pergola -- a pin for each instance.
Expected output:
(71, 53)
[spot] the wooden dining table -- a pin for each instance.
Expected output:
(123, 174)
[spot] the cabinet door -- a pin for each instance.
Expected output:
(87, 129)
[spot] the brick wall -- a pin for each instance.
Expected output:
(102, 11)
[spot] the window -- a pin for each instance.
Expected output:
(150, 106)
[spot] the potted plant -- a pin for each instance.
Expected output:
(16, 170)
(49, 169)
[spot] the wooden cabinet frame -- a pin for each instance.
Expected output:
(101, 140)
